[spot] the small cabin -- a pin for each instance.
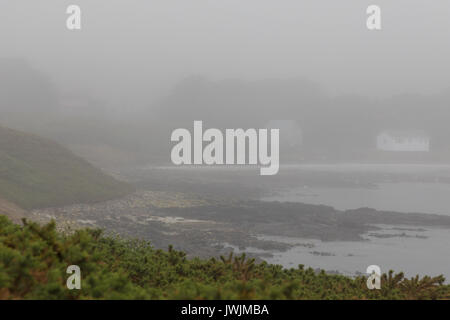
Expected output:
(403, 141)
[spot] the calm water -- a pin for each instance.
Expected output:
(401, 196)
(411, 250)
(412, 254)
(393, 187)
(416, 252)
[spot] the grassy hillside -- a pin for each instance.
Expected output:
(34, 259)
(35, 172)
(12, 211)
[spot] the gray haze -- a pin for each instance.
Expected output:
(363, 117)
(132, 50)
(141, 68)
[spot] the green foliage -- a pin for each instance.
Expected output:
(33, 262)
(35, 172)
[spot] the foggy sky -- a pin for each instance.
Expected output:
(132, 52)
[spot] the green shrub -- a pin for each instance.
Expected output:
(34, 258)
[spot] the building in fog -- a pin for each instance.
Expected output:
(291, 138)
(403, 141)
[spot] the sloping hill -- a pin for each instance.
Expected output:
(35, 172)
(12, 211)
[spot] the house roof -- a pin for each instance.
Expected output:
(406, 133)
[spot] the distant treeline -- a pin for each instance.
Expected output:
(331, 126)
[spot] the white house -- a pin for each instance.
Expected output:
(403, 141)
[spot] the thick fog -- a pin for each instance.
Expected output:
(137, 69)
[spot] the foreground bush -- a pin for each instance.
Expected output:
(33, 262)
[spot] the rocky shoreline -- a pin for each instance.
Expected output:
(203, 227)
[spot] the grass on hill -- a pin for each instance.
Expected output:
(15, 213)
(35, 172)
(34, 259)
